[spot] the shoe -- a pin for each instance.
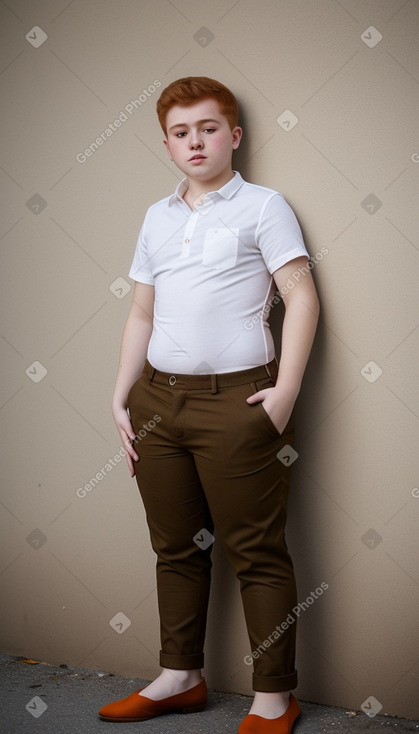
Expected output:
(139, 708)
(254, 724)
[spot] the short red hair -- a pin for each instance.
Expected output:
(191, 89)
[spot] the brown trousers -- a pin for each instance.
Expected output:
(209, 460)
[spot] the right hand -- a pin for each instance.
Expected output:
(127, 435)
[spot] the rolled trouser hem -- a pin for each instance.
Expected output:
(182, 662)
(274, 683)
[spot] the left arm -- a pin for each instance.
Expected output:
(299, 327)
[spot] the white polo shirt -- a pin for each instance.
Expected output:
(212, 271)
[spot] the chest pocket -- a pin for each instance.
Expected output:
(220, 248)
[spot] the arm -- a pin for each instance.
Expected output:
(135, 339)
(299, 327)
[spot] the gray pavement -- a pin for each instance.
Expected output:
(52, 699)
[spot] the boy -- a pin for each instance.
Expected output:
(197, 363)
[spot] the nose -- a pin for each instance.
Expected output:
(195, 140)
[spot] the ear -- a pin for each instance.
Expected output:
(236, 133)
(167, 146)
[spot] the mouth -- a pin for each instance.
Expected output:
(197, 157)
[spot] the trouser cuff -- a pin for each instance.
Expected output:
(182, 662)
(275, 683)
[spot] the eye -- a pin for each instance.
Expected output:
(210, 130)
(180, 135)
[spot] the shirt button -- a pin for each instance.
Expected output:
(187, 241)
(172, 380)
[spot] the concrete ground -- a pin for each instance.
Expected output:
(54, 699)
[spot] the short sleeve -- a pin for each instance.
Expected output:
(278, 233)
(140, 269)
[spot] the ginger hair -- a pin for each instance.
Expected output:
(192, 89)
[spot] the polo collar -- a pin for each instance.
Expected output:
(227, 191)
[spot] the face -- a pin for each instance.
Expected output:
(199, 140)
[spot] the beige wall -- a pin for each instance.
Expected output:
(69, 564)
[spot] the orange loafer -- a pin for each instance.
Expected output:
(254, 724)
(139, 708)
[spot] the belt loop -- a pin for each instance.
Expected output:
(153, 372)
(267, 370)
(214, 386)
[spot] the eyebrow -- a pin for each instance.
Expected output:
(199, 122)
